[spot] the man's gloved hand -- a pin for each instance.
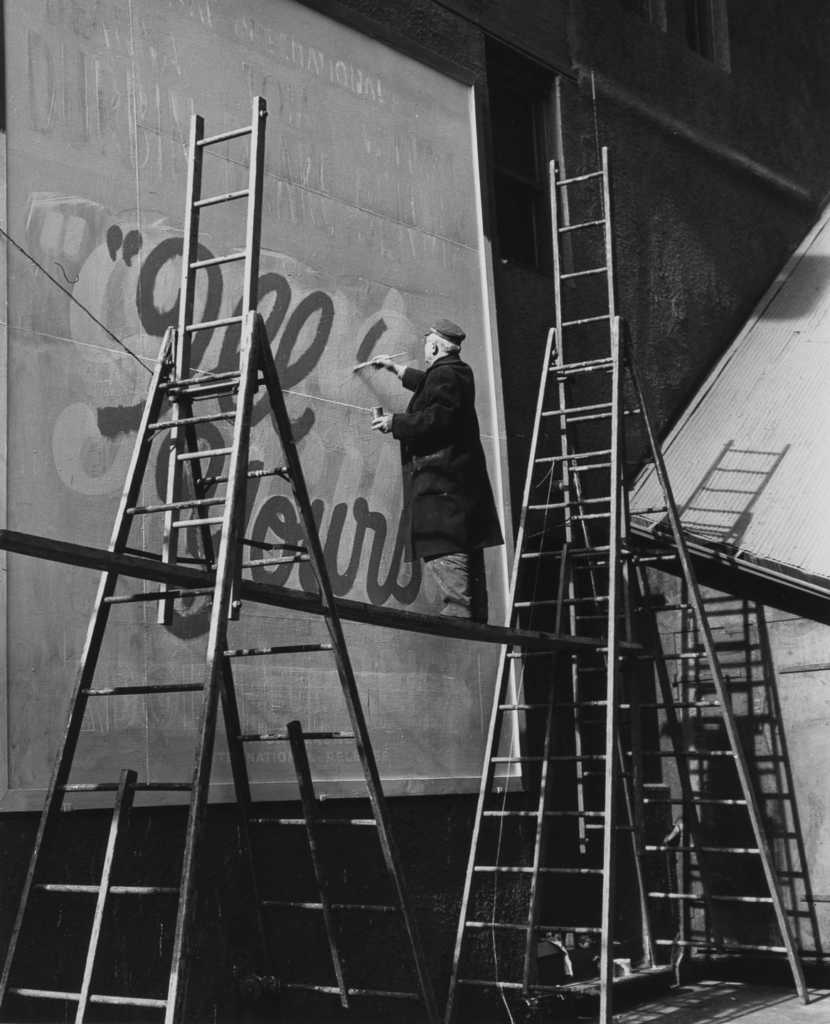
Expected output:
(383, 423)
(384, 362)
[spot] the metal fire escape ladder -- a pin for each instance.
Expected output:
(169, 413)
(583, 726)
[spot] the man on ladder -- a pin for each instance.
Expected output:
(448, 500)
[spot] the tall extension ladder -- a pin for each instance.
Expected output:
(176, 386)
(566, 785)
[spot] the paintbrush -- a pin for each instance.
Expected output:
(369, 362)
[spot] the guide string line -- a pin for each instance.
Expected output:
(74, 299)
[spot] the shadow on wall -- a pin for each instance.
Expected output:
(719, 509)
(805, 291)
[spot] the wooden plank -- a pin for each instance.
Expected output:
(139, 567)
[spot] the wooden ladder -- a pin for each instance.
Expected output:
(576, 741)
(175, 389)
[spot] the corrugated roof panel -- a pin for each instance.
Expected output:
(749, 461)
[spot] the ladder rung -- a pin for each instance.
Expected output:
(361, 822)
(660, 706)
(498, 925)
(694, 897)
(209, 325)
(208, 453)
(184, 421)
(583, 273)
(578, 455)
(159, 1004)
(712, 801)
(576, 409)
(126, 691)
(578, 227)
(174, 506)
(531, 759)
(741, 947)
(159, 595)
(578, 468)
(314, 905)
(579, 177)
(112, 787)
(667, 847)
(43, 993)
(189, 524)
(254, 474)
(276, 737)
(116, 890)
(334, 991)
(214, 261)
(697, 755)
(233, 133)
(223, 197)
(587, 320)
(579, 504)
(521, 707)
(253, 563)
(548, 814)
(584, 365)
(249, 652)
(202, 377)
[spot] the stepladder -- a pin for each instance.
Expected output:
(206, 486)
(568, 880)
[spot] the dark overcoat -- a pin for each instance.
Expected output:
(448, 502)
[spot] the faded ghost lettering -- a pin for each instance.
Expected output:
(92, 441)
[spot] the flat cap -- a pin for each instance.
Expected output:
(447, 329)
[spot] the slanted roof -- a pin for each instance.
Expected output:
(749, 460)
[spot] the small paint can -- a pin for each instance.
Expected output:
(377, 412)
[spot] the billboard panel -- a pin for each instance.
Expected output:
(371, 229)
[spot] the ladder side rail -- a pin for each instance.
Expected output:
(244, 800)
(256, 170)
(741, 765)
(781, 739)
(487, 775)
(690, 818)
(190, 244)
(611, 715)
(250, 275)
(344, 667)
(633, 795)
(121, 810)
(92, 647)
(570, 492)
(633, 787)
(302, 770)
(541, 833)
(217, 643)
(609, 235)
(170, 535)
(503, 677)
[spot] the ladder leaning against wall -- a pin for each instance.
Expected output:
(179, 392)
(580, 745)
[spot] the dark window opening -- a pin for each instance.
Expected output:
(520, 104)
(699, 27)
(702, 24)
